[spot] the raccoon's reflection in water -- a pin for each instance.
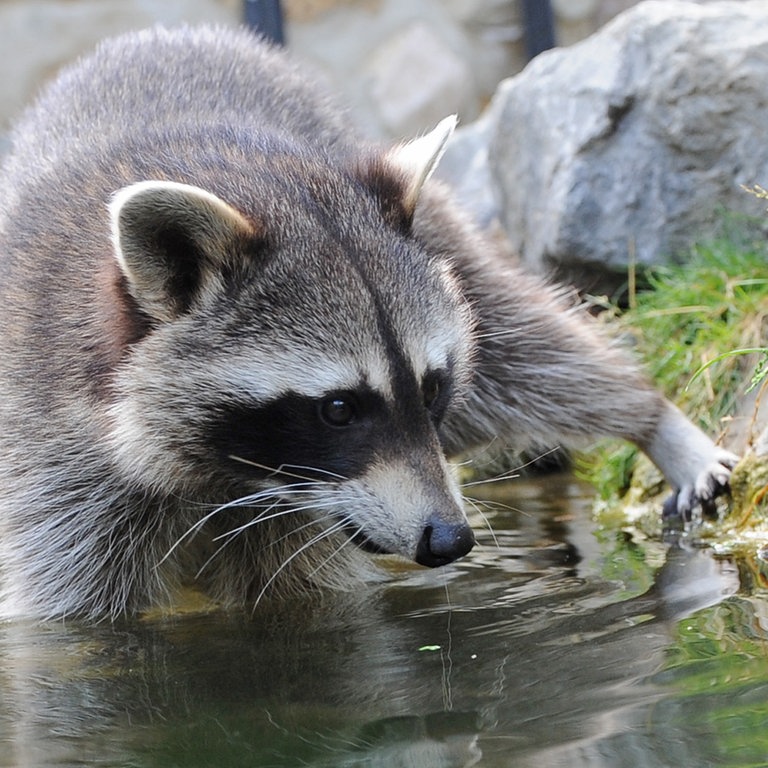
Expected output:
(524, 654)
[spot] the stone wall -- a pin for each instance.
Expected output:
(403, 63)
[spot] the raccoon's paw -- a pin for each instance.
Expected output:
(712, 481)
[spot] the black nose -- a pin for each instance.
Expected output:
(442, 543)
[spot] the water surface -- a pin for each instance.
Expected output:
(554, 643)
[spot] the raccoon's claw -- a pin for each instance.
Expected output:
(710, 483)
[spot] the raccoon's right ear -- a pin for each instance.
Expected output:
(417, 159)
(397, 176)
(171, 241)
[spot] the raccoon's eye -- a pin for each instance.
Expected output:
(431, 388)
(338, 410)
(436, 393)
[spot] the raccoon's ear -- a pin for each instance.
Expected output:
(418, 159)
(171, 240)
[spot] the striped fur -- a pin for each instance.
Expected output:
(237, 343)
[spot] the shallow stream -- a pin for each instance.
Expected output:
(555, 643)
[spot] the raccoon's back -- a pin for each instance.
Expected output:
(145, 82)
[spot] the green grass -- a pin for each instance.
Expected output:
(686, 323)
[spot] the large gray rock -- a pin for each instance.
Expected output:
(630, 143)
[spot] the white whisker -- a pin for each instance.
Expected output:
(323, 534)
(346, 542)
(512, 473)
(260, 518)
(276, 495)
(476, 506)
(501, 333)
(231, 535)
(281, 471)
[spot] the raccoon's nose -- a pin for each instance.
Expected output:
(442, 543)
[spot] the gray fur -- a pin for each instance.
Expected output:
(114, 358)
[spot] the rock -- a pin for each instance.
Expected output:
(761, 444)
(628, 144)
(749, 483)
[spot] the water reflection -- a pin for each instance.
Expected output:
(553, 644)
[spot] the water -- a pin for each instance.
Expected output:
(553, 644)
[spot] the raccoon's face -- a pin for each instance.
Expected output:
(301, 360)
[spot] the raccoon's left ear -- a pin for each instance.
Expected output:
(171, 241)
(418, 159)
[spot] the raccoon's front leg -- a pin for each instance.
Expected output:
(546, 376)
(695, 467)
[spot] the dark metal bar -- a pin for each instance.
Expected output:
(539, 26)
(266, 18)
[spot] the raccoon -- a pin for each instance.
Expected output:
(238, 343)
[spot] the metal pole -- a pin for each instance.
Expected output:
(539, 26)
(266, 18)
